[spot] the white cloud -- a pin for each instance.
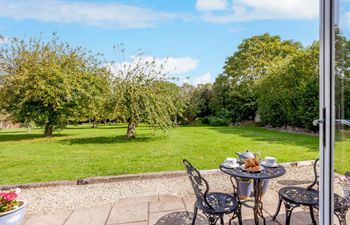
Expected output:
(202, 79)
(179, 65)
(211, 5)
(171, 65)
(249, 10)
(106, 15)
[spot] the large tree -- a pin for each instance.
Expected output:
(235, 88)
(48, 82)
(142, 94)
(288, 95)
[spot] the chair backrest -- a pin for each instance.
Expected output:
(316, 182)
(199, 184)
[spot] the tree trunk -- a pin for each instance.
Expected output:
(29, 126)
(94, 123)
(48, 130)
(131, 130)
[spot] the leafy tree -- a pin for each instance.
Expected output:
(189, 114)
(141, 94)
(196, 101)
(342, 76)
(288, 95)
(48, 82)
(235, 89)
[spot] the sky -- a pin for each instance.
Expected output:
(192, 37)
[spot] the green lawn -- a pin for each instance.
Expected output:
(80, 152)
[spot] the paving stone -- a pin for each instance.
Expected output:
(133, 223)
(299, 216)
(92, 216)
(128, 211)
(189, 203)
(270, 202)
(175, 218)
(139, 199)
(48, 219)
(167, 203)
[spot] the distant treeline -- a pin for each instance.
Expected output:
(273, 81)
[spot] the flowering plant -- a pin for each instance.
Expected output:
(8, 201)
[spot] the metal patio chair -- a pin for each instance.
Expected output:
(294, 197)
(214, 205)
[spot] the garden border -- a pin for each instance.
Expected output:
(121, 178)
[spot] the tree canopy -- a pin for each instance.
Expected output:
(49, 82)
(142, 94)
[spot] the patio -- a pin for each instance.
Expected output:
(155, 201)
(154, 210)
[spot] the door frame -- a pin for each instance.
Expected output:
(327, 110)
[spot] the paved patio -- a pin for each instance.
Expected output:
(154, 210)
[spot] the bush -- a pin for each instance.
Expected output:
(221, 119)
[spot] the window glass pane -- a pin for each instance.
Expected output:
(342, 113)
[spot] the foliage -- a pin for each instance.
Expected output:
(141, 93)
(49, 82)
(222, 118)
(288, 95)
(196, 102)
(342, 76)
(8, 201)
(235, 89)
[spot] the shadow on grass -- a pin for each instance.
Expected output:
(275, 137)
(22, 136)
(11, 132)
(83, 127)
(111, 140)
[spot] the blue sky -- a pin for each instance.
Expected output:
(195, 35)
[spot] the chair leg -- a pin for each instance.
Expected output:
(222, 220)
(341, 217)
(289, 210)
(194, 215)
(277, 210)
(239, 215)
(312, 214)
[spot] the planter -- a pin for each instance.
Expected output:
(13, 217)
(265, 186)
(245, 188)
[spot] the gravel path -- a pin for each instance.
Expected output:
(50, 199)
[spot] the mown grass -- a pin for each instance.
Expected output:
(80, 152)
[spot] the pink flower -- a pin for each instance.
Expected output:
(10, 196)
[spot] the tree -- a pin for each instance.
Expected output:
(235, 89)
(141, 94)
(48, 82)
(288, 94)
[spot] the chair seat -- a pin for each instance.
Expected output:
(222, 203)
(299, 195)
(340, 204)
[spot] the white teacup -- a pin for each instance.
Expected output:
(270, 160)
(231, 161)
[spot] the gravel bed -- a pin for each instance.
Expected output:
(51, 199)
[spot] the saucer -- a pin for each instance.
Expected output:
(230, 166)
(263, 163)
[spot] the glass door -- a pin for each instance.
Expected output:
(341, 184)
(334, 111)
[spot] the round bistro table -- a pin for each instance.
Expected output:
(266, 173)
